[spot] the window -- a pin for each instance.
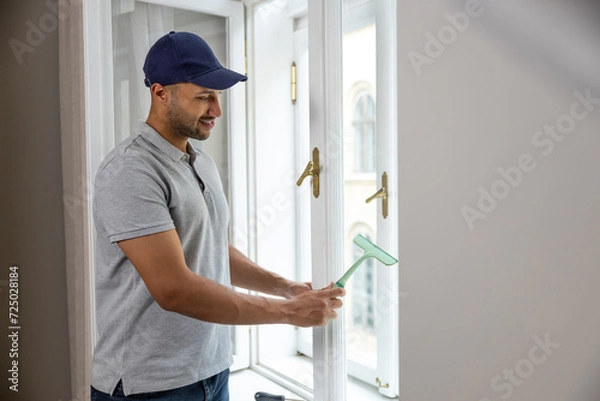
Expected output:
(363, 123)
(272, 220)
(282, 134)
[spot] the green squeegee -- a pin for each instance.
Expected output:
(371, 251)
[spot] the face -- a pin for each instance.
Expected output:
(193, 110)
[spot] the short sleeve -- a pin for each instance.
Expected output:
(130, 200)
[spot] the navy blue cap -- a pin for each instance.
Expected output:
(185, 57)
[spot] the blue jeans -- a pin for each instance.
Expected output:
(214, 388)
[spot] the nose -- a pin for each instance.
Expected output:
(215, 107)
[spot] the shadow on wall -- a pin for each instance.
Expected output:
(587, 388)
(560, 36)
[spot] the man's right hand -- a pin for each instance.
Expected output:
(314, 308)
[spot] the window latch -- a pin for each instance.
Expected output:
(383, 194)
(312, 168)
(380, 383)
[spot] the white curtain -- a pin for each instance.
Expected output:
(75, 190)
(136, 26)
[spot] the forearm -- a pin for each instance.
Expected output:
(248, 275)
(160, 262)
(207, 300)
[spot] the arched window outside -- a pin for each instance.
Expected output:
(363, 299)
(364, 133)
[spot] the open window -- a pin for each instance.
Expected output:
(319, 77)
(326, 96)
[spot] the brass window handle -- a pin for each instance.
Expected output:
(312, 168)
(380, 383)
(383, 194)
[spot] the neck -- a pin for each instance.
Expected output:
(165, 131)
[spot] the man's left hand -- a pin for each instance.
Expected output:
(296, 288)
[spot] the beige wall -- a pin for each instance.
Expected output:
(31, 209)
(476, 298)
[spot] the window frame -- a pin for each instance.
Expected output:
(321, 352)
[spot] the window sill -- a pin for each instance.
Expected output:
(245, 383)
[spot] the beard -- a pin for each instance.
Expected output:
(184, 124)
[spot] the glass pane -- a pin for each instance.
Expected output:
(360, 181)
(274, 348)
(363, 124)
(136, 26)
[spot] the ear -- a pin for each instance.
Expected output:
(159, 93)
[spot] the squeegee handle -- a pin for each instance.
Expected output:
(342, 281)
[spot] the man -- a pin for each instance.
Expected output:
(164, 266)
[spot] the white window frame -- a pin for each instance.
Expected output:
(257, 141)
(327, 340)
(326, 133)
(326, 127)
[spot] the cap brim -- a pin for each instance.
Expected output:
(219, 79)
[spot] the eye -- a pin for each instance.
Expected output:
(203, 98)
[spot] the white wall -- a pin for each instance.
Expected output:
(474, 299)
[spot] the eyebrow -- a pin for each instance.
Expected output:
(207, 92)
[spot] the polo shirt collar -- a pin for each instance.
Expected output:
(151, 135)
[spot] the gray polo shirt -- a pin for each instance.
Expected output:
(146, 186)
